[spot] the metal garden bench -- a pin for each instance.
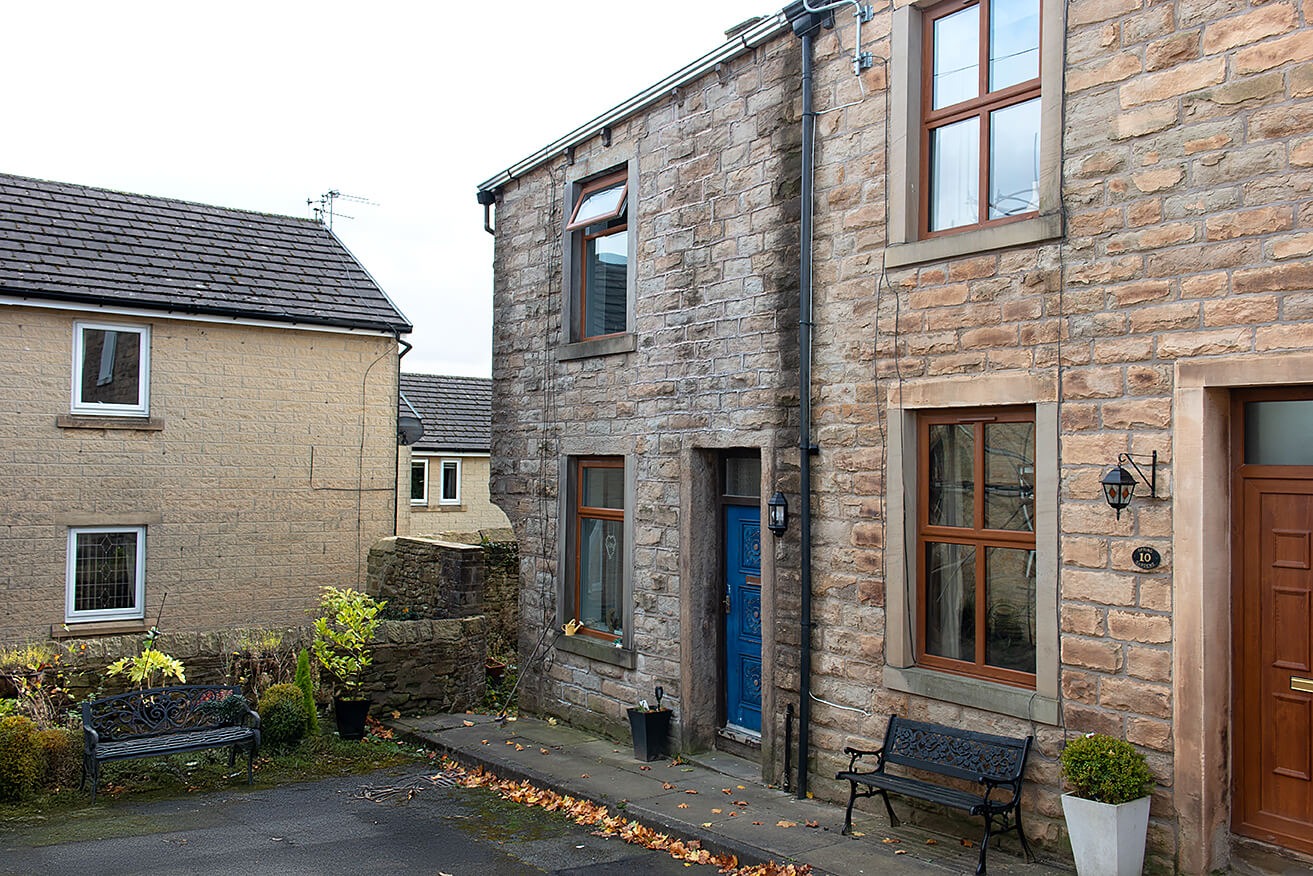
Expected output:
(166, 720)
(994, 764)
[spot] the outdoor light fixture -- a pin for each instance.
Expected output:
(777, 513)
(1119, 484)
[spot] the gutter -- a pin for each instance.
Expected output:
(761, 32)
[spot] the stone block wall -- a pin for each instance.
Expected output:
(424, 578)
(1187, 161)
(271, 472)
(714, 214)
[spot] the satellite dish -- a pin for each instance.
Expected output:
(409, 429)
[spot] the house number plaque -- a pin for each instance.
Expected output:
(1146, 557)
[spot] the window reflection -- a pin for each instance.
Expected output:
(1014, 160)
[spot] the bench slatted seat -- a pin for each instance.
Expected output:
(166, 720)
(994, 763)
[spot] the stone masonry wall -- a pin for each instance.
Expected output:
(425, 578)
(715, 217)
(1185, 178)
(420, 667)
(257, 491)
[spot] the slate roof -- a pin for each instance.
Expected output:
(457, 411)
(75, 243)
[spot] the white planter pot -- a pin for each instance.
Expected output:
(1107, 840)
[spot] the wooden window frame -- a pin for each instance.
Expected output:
(583, 238)
(584, 512)
(976, 536)
(980, 107)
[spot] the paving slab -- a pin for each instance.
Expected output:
(756, 822)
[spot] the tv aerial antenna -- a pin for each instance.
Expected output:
(324, 211)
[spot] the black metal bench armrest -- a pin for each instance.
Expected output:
(856, 754)
(992, 785)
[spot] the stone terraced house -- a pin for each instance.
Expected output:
(197, 414)
(446, 488)
(1028, 243)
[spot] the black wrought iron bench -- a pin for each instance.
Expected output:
(994, 764)
(166, 720)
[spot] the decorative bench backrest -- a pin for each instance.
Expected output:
(961, 753)
(159, 710)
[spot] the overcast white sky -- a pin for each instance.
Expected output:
(409, 105)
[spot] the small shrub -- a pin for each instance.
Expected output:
(1105, 769)
(8, 707)
(307, 685)
(61, 756)
(20, 759)
(282, 715)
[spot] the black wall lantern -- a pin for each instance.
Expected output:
(777, 513)
(1119, 484)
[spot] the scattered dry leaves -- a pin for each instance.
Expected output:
(468, 723)
(667, 786)
(783, 823)
(605, 823)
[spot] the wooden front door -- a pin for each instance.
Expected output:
(1272, 617)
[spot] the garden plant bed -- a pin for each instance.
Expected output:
(201, 772)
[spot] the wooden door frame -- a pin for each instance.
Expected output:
(1245, 685)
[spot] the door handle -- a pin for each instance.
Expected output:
(1305, 685)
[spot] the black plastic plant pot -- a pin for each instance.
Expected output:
(651, 733)
(350, 717)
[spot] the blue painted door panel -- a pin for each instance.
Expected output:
(743, 617)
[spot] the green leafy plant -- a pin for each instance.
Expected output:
(20, 759)
(344, 631)
(306, 684)
(282, 715)
(36, 673)
(150, 668)
(1105, 769)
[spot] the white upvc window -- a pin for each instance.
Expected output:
(111, 369)
(450, 494)
(106, 573)
(419, 482)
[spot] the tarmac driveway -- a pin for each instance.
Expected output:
(392, 821)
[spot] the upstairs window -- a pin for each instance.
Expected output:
(980, 132)
(106, 573)
(599, 236)
(111, 370)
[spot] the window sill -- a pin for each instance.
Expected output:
(595, 649)
(1040, 228)
(87, 629)
(977, 693)
(608, 346)
(86, 421)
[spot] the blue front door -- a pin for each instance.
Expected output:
(743, 617)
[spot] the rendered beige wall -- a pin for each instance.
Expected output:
(475, 511)
(257, 491)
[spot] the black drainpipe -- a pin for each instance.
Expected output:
(396, 460)
(805, 24)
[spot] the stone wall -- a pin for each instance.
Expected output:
(424, 578)
(427, 666)
(1181, 264)
(420, 667)
(266, 472)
